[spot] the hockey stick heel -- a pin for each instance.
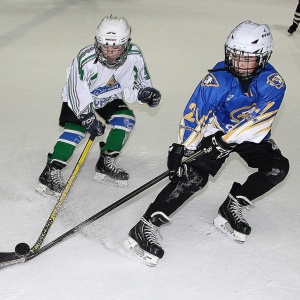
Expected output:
(10, 259)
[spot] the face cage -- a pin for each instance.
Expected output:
(262, 59)
(115, 64)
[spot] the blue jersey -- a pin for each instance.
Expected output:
(220, 102)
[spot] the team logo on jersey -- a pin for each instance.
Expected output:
(243, 113)
(275, 80)
(210, 80)
(112, 84)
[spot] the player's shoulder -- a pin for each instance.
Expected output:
(86, 53)
(270, 78)
(216, 76)
(134, 49)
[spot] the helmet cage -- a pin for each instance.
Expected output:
(246, 73)
(118, 61)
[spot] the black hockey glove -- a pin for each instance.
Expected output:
(175, 165)
(149, 95)
(215, 146)
(91, 124)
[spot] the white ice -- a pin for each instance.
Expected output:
(180, 40)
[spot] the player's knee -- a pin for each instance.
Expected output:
(196, 179)
(73, 134)
(124, 120)
(277, 174)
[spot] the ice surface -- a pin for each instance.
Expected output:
(180, 41)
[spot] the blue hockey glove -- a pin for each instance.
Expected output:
(215, 146)
(149, 95)
(91, 124)
(175, 165)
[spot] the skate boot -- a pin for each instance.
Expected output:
(51, 180)
(230, 219)
(292, 28)
(142, 240)
(109, 172)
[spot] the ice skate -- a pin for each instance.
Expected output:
(109, 172)
(292, 28)
(51, 180)
(142, 240)
(230, 219)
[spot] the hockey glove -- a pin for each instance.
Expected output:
(91, 124)
(215, 146)
(175, 166)
(149, 95)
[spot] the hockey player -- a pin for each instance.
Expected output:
(296, 20)
(99, 79)
(231, 110)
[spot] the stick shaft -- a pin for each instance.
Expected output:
(113, 206)
(63, 196)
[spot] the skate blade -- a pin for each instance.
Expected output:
(147, 258)
(223, 225)
(105, 179)
(46, 192)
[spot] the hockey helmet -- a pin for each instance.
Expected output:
(248, 41)
(115, 32)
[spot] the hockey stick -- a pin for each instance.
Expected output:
(11, 258)
(63, 195)
(23, 248)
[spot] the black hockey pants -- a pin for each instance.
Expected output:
(266, 157)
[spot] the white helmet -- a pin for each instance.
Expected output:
(249, 39)
(112, 31)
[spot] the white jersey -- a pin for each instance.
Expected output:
(91, 86)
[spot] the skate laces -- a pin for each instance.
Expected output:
(245, 199)
(57, 177)
(111, 163)
(151, 232)
(236, 210)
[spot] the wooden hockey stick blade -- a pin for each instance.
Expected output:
(9, 259)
